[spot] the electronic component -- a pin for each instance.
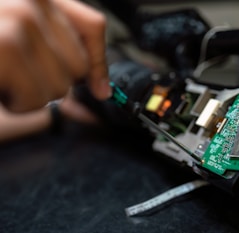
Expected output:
(209, 113)
(154, 103)
(192, 124)
(122, 100)
(219, 156)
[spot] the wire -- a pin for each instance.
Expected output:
(156, 202)
(146, 120)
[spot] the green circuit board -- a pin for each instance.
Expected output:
(222, 154)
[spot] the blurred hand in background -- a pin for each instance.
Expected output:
(46, 46)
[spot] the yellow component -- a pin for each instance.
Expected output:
(154, 102)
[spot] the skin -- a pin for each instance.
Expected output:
(14, 126)
(46, 46)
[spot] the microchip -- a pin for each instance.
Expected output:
(235, 149)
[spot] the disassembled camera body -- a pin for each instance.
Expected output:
(202, 116)
(207, 122)
(203, 119)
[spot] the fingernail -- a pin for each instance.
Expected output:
(105, 88)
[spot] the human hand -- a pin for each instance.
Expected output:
(44, 46)
(19, 125)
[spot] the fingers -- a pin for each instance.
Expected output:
(13, 73)
(39, 54)
(77, 111)
(46, 44)
(91, 27)
(64, 40)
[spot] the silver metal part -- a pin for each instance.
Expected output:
(150, 123)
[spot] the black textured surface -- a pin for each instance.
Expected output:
(81, 181)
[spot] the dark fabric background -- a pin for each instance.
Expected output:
(81, 181)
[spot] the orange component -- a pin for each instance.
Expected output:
(165, 106)
(159, 90)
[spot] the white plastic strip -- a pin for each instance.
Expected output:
(164, 197)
